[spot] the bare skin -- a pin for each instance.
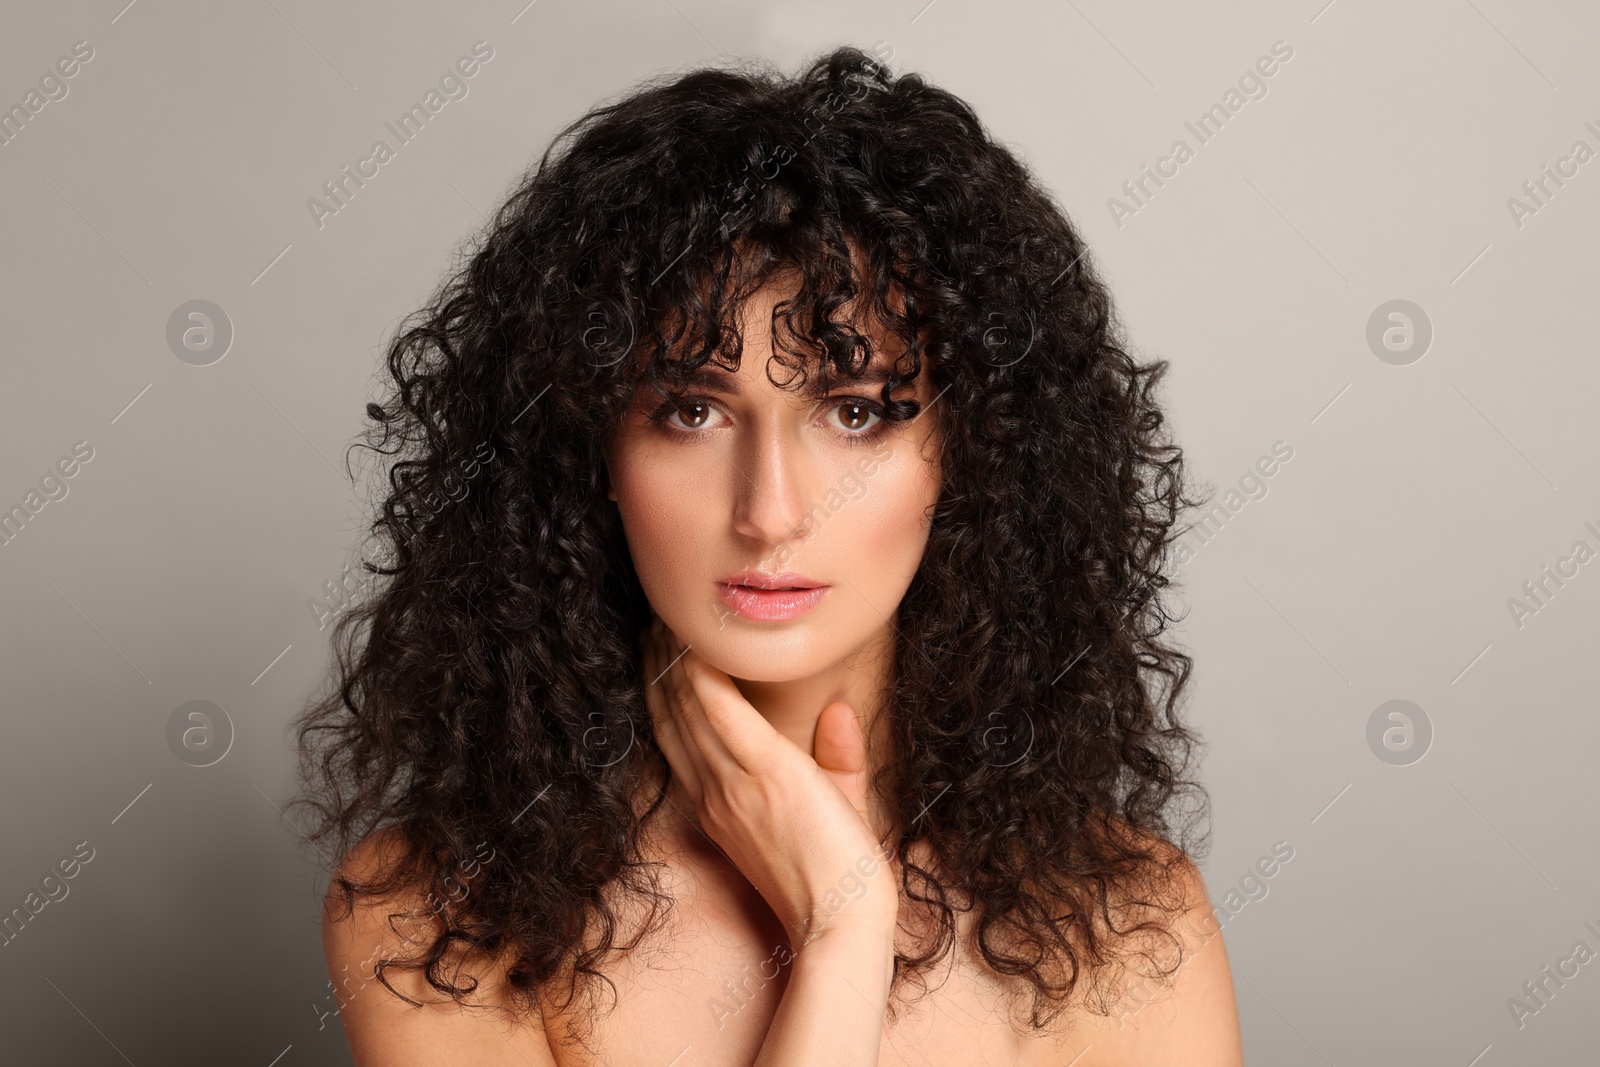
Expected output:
(780, 948)
(674, 994)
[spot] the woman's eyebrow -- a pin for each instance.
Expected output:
(712, 380)
(877, 375)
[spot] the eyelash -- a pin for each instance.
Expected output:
(853, 437)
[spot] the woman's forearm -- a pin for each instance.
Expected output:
(832, 1010)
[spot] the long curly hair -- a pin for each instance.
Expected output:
(488, 704)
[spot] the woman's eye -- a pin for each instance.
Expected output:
(855, 415)
(692, 414)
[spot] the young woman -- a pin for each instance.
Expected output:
(764, 664)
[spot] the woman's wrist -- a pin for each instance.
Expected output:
(860, 952)
(833, 1007)
(855, 935)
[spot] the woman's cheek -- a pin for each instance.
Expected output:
(666, 508)
(895, 523)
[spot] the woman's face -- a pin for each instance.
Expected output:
(744, 484)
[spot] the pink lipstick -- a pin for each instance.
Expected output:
(770, 597)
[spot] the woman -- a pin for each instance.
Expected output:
(769, 620)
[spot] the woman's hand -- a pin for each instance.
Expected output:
(798, 827)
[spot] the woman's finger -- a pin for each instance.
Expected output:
(840, 749)
(684, 690)
(726, 726)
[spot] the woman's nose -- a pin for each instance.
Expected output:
(770, 503)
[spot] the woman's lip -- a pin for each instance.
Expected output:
(770, 605)
(760, 581)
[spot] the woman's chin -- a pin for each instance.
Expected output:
(765, 655)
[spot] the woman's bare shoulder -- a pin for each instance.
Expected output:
(1172, 999)
(384, 1030)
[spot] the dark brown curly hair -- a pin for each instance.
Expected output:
(488, 705)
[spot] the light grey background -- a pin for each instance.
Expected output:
(1379, 566)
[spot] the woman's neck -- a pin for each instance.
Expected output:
(793, 708)
(861, 680)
